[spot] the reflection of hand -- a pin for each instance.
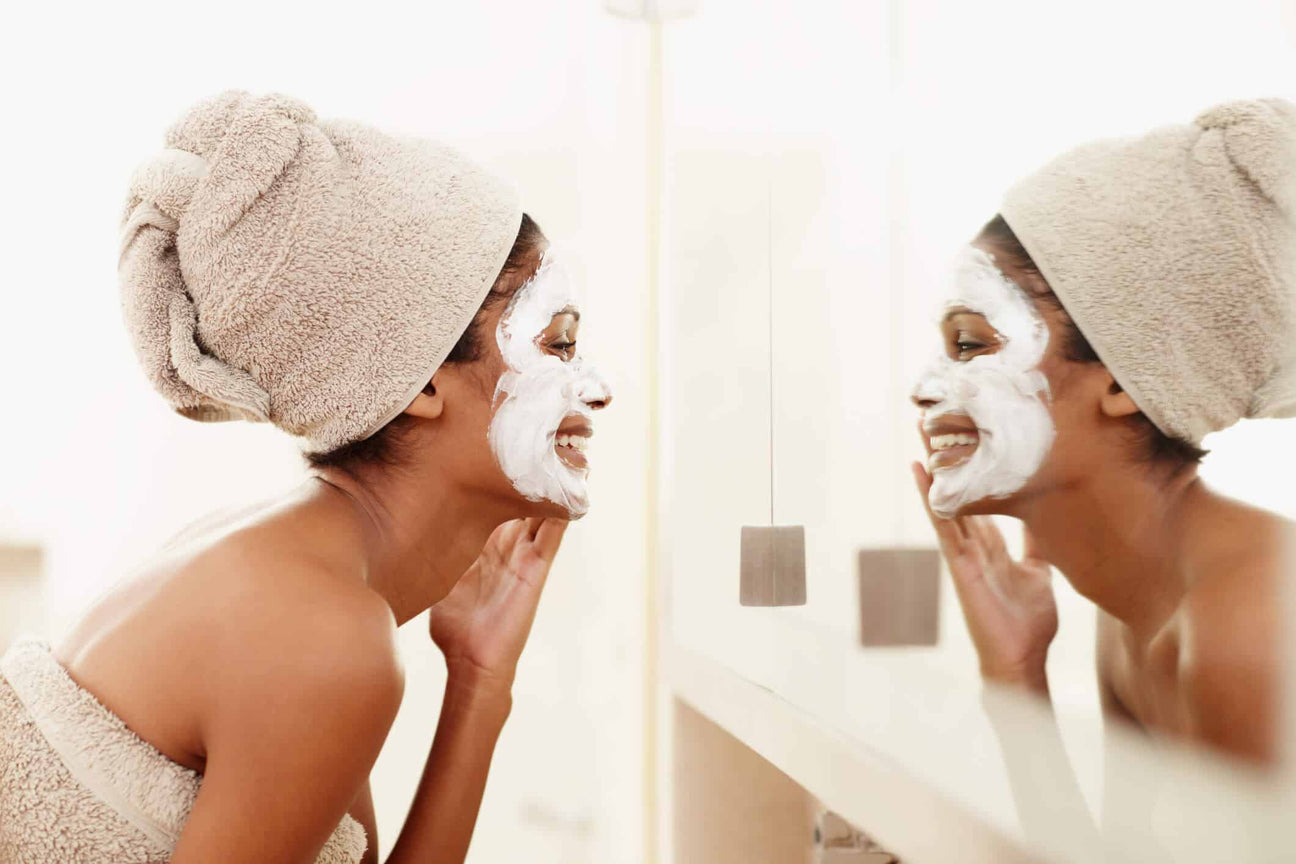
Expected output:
(482, 624)
(1008, 604)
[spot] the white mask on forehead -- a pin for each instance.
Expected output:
(1004, 393)
(539, 390)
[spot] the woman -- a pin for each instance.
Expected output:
(387, 301)
(1132, 296)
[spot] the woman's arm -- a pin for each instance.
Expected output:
(299, 704)
(481, 627)
(1231, 680)
(444, 812)
(1045, 790)
(301, 701)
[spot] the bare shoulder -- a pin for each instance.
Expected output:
(285, 623)
(1235, 570)
(1232, 619)
(302, 682)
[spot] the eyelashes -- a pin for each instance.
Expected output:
(565, 349)
(966, 343)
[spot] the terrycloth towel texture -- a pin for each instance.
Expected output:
(309, 272)
(76, 785)
(1175, 254)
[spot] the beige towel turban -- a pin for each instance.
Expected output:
(1175, 254)
(312, 273)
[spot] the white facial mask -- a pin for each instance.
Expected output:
(538, 391)
(1004, 393)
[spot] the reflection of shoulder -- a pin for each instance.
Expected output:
(1109, 663)
(1229, 665)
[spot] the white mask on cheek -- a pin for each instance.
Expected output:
(539, 390)
(1004, 393)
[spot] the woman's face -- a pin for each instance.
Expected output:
(990, 405)
(545, 399)
(518, 419)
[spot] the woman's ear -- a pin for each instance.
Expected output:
(430, 403)
(1115, 401)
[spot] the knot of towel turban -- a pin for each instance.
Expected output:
(307, 270)
(1259, 137)
(160, 311)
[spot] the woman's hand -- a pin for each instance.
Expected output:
(482, 624)
(1008, 604)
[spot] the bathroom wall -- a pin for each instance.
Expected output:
(98, 471)
(22, 590)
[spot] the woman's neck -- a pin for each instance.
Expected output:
(1119, 537)
(416, 535)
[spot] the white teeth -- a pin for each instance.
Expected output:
(576, 442)
(945, 442)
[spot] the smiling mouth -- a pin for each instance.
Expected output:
(951, 450)
(950, 441)
(570, 444)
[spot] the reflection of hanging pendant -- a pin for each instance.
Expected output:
(899, 596)
(772, 561)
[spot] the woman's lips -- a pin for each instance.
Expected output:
(951, 455)
(950, 441)
(570, 442)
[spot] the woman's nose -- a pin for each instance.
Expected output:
(596, 393)
(929, 391)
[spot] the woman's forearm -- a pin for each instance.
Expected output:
(1050, 804)
(1030, 677)
(441, 819)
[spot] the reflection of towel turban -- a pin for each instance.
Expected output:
(1175, 254)
(313, 273)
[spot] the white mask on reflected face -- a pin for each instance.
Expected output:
(538, 392)
(1003, 394)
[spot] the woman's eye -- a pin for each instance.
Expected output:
(965, 342)
(563, 348)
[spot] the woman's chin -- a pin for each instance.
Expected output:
(984, 507)
(552, 510)
(987, 507)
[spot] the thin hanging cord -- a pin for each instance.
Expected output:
(769, 273)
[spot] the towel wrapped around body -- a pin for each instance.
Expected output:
(76, 785)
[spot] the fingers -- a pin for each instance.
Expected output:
(922, 480)
(1030, 546)
(533, 524)
(501, 541)
(989, 536)
(510, 532)
(951, 533)
(548, 537)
